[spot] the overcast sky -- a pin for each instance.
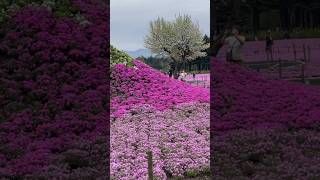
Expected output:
(130, 18)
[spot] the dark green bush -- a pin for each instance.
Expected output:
(60, 8)
(294, 34)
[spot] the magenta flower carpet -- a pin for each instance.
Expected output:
(151, 111)
(54, 94)
(262, 129)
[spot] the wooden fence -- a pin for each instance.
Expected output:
(283, 63)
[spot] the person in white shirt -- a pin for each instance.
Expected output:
(235, 43)
(183, 75)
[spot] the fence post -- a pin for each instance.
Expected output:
(150, 165)
(280, 68)
(273, 50)
(272, 53)
(302, 71)
(309, 53)
(294, 52)
(304, 53)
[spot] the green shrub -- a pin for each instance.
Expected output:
(294, 34)
(310, 33)
(59, 8)
(192, 174)
(119, 57)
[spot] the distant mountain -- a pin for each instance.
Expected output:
(140, 52)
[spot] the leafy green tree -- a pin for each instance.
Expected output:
(119, 57)
(181, 40)
(159, 63)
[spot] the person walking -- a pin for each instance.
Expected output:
(269, 44)
(170, 72)
(183, 75)
(235, 42)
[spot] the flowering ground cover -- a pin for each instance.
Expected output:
(262, 128)
(254, 51)
(54, 94)
(144, 85)
(150, 110)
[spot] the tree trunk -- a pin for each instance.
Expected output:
(292, 18)
(254, 18)
(236, 10)
(284, 14)
(174, 69)
(213, 20)
(311, 19)
(183, 63)
(251, 18)
(216, 45)
(306, 23)
(301, 17)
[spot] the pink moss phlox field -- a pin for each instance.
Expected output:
(267, 154)
(178, 139)
(173, 113)
(54, 95)
(245, 99)
(144, 85)
(262, 128)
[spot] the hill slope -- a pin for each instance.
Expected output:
(262, 129)
(151, 111)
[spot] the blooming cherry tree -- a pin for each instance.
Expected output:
(181, 40)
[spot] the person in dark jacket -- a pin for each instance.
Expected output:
(269, 44)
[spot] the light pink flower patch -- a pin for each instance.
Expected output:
(178, 139)
(151, 111)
